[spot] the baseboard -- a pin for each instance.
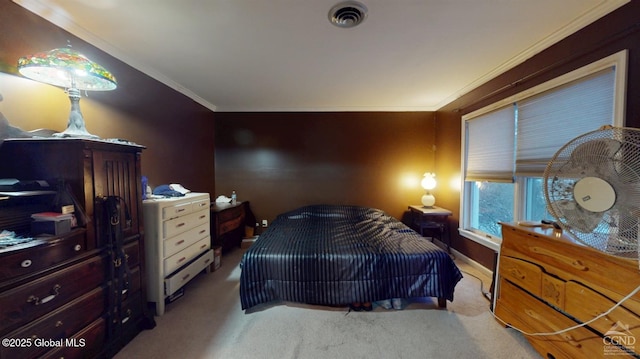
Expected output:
(488, 272)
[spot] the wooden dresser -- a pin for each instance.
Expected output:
(547, 282)
(178, 243)
(62, 296)
(227, 224)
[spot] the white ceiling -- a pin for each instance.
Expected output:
(284, 55)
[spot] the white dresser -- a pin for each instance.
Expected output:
(178, 243)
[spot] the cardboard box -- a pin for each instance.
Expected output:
(247, 242)
(217, 257)
(56, 228)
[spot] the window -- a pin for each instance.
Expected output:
(508, 144)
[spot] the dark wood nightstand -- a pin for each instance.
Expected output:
(227, 224)
(432, 220)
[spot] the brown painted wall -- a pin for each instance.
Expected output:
(177, 132)
(617, 31)
(280, 161)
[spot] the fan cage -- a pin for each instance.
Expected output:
(613, 155)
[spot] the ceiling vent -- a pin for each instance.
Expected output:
(348, 14)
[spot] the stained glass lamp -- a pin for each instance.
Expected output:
(72, 71)
(428, 183)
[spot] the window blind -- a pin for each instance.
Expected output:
(490, 146)
(551, 119)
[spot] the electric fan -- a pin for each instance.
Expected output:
(592, 188)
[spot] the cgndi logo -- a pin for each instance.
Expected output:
(617, 337)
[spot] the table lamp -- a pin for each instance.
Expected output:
(428, 183)
(66, 68)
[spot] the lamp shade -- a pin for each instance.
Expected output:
(74, 72)
(429, 181)
(66, 68)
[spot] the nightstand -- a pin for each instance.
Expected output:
(432, 220)
(227, 224)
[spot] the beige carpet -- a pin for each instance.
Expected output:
(208, 323)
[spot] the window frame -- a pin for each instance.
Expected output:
(617, 60)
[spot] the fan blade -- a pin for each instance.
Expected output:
(603, 147)
(578, 217)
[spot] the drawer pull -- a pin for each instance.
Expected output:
(26, 263)
(207, 261)
(576, 263)
(203, 216)
(37, 301)
(181, 259)
(202, 231)
(186, 277)
(126, 319)
(180, 225)
(77, 247)
(203, 246)
(180, 242)
(180, 210)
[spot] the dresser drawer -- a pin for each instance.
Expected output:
(570, 261)
(522, 273)
(87, 343)
(584, 304)
(230, 214)
(523, 311)
(130, 312)
(177, 210)
(176, 244)
(200, 205)
(134, 284)
(59, 325)
(178, 279)
(132, 253)
(29, 260)
(27, 302)
(182, 224)
(183, 257)
(230, 225)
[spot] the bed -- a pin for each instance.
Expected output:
(335, 255)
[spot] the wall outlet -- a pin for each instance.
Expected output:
(265, 223)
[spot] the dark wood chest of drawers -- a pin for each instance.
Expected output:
(62, 296)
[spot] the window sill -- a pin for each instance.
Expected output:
(492, 243)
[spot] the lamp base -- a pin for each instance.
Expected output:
(70, 132)
(428, 200)
(75, 126)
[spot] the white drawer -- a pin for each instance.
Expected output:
(175, 244)
(200, 205)
(177, 280)
(179, 209)
(182, 224)
(184, 256)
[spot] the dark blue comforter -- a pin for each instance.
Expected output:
(336, 255)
